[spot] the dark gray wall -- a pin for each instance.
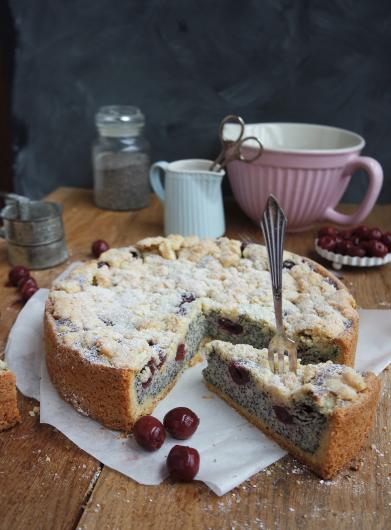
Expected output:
(186, 64)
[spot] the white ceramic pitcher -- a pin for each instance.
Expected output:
(192, 197)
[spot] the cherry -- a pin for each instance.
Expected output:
(98, 247)
(386, 240)
(28, 291)
(180, 352)
(181, 422)
(362, 232)
(377, 249)
(183, 463)
(149, 433)
(343, 247)
(375, 233)
(282, 414)
(26, 280)
(356, 251)
(239, 373)
(230, 326)
(346, 234)
(327, 243)
(365, 246)
(328, 231)
(16, 273)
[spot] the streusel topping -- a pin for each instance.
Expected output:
(329, 385)
(115, 309)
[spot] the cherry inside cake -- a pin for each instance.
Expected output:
(120, 329)
(321, 415)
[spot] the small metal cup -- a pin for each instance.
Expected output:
(34, 232)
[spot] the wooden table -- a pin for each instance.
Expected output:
(46, 482)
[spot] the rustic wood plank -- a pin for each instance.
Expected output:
(38, 493)
(286, 495)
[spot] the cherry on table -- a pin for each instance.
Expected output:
(26, 280)
(181, 422)
(183, 463)
(149, 433)
(98, 247)
(16, 273)
(327, 243)
(28, 291)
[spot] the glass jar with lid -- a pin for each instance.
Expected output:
(121, 159)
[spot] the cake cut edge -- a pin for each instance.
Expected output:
(347, 429)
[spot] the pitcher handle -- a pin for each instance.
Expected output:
(375, 177)
(155, 178)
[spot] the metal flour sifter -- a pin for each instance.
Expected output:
(34, 232)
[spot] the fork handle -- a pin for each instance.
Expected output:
(273, 224)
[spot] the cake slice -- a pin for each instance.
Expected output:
(321, 415)
(9, 413)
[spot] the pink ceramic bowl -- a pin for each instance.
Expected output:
(307, 167)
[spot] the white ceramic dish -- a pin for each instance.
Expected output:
(338, 260)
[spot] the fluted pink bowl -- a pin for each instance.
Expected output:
(307, 167)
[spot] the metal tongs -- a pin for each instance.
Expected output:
(273, 224)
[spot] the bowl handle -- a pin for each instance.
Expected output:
(375, 178)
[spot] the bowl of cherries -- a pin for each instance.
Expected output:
(357, 247)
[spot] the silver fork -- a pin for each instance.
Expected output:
(273, 224)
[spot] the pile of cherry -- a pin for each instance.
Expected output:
(361, 241)
(19, 277)
(182, 462)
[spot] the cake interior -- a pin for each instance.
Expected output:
(214, 326)
(300, 422)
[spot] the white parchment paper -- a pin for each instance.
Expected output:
(231, 449)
